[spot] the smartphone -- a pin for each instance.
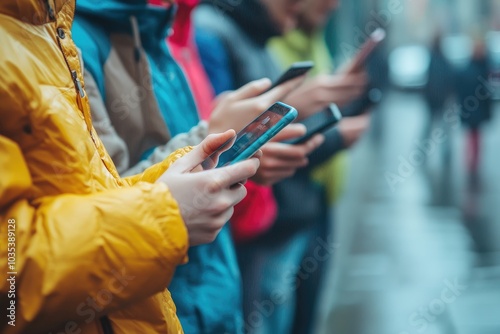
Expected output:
(249, 140)
(370, 98)
(295, 70)
(375, 38)
(319, 123)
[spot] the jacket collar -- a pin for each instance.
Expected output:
(36, 12)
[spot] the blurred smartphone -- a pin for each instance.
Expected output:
(370, 98)
(249, 140)
(319, 123)
(375, 38)
(295, 70)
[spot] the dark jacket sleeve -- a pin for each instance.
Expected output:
(332, 145)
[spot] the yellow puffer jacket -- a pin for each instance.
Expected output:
(92, 251)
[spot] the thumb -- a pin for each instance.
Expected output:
(252, 89)
(290, 132)
(209, 145)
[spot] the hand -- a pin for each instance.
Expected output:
(280, 160)
(206, 198)
(234, 110)
(317, 93)
(351, 128)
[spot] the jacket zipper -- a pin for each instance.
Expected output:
(78, 84)
(81, 103)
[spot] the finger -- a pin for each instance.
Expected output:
(345, 81)
(290, 132)
(258, 154)
(241, 183)
(226, 199)
(251, 89)
(237, 192)
(280, 91)
(350, 67)
(225, 177)
(279, 173)
(222, 95)
(357, 80)
(274, 163)
(221, 219)
(284, 151)
(208, 146)
(313, 143)
(292, 152)
(271, 177)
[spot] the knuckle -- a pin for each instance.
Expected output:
(209, 237)
(250, 169)
(216, 224)
(212, 187)
(220, 206)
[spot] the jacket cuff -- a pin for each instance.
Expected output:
(164, 212)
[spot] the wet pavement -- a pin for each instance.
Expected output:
(419, 239)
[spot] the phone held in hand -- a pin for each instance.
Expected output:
(318, 123)
(253, 136)
(375, 38)
(295, 70)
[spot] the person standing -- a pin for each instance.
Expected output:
(307, 42)
(232, 38)
(474, 115)
(144, 109)
(93, 252)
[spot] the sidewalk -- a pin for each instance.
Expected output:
(419, 253)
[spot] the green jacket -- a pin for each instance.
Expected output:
(299, 46)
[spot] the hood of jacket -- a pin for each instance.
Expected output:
(250, 15)
(38, 10)
(124, 48)
(154, 21)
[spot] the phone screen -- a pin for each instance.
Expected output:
(253, 136)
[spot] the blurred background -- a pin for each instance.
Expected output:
(418, 228)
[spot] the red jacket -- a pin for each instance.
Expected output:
(184, 50)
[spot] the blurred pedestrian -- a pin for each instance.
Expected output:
(475, 99)
(307, 42)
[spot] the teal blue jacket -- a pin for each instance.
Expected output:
(140, 100)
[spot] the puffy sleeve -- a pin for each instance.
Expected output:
(70, 249)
